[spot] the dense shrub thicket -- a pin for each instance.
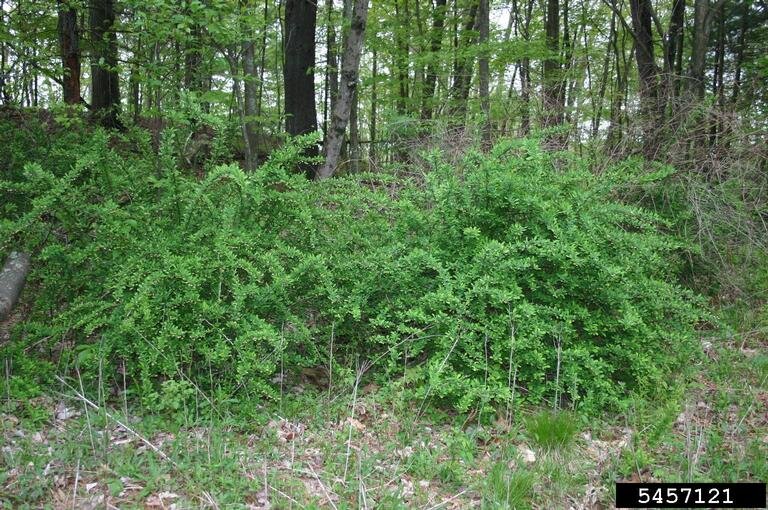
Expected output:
(514, 271)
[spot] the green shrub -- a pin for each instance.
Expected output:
(516, 262)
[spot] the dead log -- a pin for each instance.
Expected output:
(12, 281)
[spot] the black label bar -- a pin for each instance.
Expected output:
(690, 495)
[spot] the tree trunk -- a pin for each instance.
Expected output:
(250, 91)
(615, 131)
(350, 65)
(401, 59)
(525, 74)
(374, 99)
(597, 108)
(332, 67)
(193, 59)
(483, 15)
(436, 40)
(462, 68)
(552, 80)
(699, 47)
(69, 49)
(354, 136)
(232, 57)
(298, 71)
(420, 47)
(12, 279)
(3, 92)
(513, 21)
(674, 47)
(647, 73)
(718, 81)
(566, 61)
(133, 81)
(263, 57)
(739, 59)
(105, 89)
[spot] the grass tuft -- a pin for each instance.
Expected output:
(552, 429)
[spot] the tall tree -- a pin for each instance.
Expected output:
(105, 88)
(3, 91)
(251, 81)
(463, 65)
(525, 67)
(483, 16)
(402, 55)
(673, 50)
(699, 47)
(350, 66)
(69, 49)
(331, 65)
(647, 72)
(374, 98)
(193, 59)
(250, 92)
(299, 70)
(741, 42)
(436, 40)
(197, 76)
(551, 90)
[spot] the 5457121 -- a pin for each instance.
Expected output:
(690, 495)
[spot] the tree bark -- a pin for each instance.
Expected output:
(552, 81)
(354, 135)
(739, 59)
(231, 54)
(193, 60)
(436, 40)
(401, 59)
(350, 65)
(420, 46)
(597, 108)
(718, 81)
(647, 73)
(699, 47)
(133, 80)
(250, 91)
(374, 99)
(615, 130)
(263, 57)
(462, 68)
(332, 66)
(12, 279)
(525, 73)
(69, 49)
(105, 88)
(483, 15)
(674, 37)
(298, 71)
(3, 92)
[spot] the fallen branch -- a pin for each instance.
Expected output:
(12, 281)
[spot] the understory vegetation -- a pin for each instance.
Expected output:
(418, 320)
(511, 274)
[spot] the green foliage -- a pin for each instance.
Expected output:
(508, 489)
(24, 383)
(552, 429)
(518, 261)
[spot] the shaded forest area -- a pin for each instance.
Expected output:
(440, 254)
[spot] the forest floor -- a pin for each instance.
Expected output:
(342, 448)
